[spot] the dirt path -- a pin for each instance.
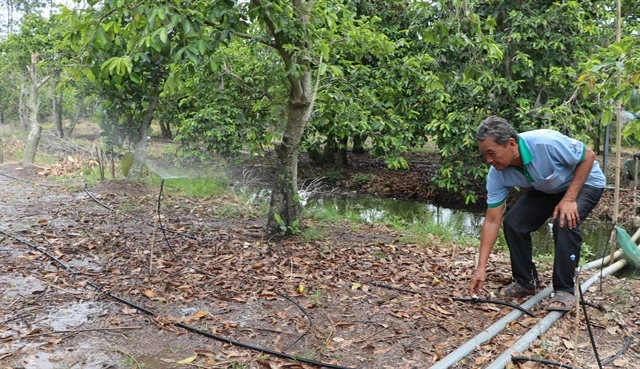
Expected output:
(319, 300)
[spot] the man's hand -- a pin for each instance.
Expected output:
(477, 281)
(567, 209)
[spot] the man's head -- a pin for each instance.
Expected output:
(498, 142)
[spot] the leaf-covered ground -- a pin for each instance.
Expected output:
(356, 298)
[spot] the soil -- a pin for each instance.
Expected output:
(355, 297)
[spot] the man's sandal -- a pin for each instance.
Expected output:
(561, 301)
(514, 289)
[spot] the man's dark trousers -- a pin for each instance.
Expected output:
(528, 214)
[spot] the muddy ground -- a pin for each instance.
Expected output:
(357, 297)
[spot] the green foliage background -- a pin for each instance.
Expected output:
(394, 74)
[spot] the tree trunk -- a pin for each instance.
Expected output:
(329, 152)
(54, 101)
(285, 211)
(9, 17)
(58, 114)
(76, 117)
(22, 114)
(140, 153)
(165, 128)
(342, 160)
(32, 112)
(358, 144)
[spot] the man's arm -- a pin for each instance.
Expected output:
(488, 236)
(568, 208)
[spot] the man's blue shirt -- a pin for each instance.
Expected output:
(550, 160)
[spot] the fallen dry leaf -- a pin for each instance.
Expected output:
(383, 350)
(188, 360)
(150, 294)
(197, 316)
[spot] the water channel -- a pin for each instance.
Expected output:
(459, 223)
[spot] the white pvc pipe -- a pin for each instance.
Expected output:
(543, 325)
(498, 326)
(490, 332)
(604, 261)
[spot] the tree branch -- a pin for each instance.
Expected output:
(44, 80)
(286, 57)
(248, 36)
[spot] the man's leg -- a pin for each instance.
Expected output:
(531, 210)
(569, 241)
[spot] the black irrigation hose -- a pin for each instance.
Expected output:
(627, 342)
(613, 226)
(136, 218)
(187, 327)
(25, 181)
(457, 299)
(587, 303)
(504, 303)
(40, 250)
(586, 319)
(305, 313)
(166, 240)
(175, 255)
(212, 275)
(522, 359)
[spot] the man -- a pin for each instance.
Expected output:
(563, 181)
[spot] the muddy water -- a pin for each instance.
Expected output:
(462, 224)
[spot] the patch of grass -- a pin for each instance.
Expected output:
(422, 229)
(361, 179)
(326, 214)
(215, 186)
(544, 261)
(88, 175)
(622, 292)
(228, 210)
(315, 297)
(311, 234)
(334, 175)
(44, 159)
(501, 242)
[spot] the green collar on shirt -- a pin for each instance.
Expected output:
(524, 151)
(526, 159)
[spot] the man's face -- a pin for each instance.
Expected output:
(499, 156)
